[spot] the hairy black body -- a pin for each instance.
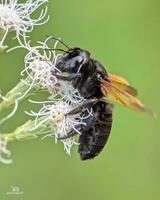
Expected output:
(95, 135)
(86, 75)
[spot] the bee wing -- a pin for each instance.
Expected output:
(119, 94)
(122, 83)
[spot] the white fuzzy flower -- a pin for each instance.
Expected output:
(39, 68)
(39, 73)
(55, 114)
(4, 152)
(16, 16)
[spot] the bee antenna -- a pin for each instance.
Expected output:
(54, 49)
(59, 39)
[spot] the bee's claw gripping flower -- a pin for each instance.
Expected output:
(15, 16)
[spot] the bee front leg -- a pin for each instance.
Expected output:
(68, 78)
(87, 104)
(71, 133)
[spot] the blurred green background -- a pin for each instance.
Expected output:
(125, 36)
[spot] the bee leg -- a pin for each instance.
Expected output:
(88, 103)
(90, 121)
(71, 133)
(68, 78)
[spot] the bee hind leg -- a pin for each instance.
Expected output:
(81, 128)
(71, 133)
(87, 104)
(71, 77)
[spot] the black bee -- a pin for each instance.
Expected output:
(99, 88)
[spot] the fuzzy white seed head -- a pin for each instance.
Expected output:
(9, 18)
(41, 74)
(65, 123)
(39, 68)
(4, 152)
(56, 115)
(16, 16)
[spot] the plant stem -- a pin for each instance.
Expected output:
(17, 93)
(25, 132)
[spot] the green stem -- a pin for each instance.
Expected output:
(25, 132)
(15, 94)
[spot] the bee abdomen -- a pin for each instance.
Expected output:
(93, 140)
